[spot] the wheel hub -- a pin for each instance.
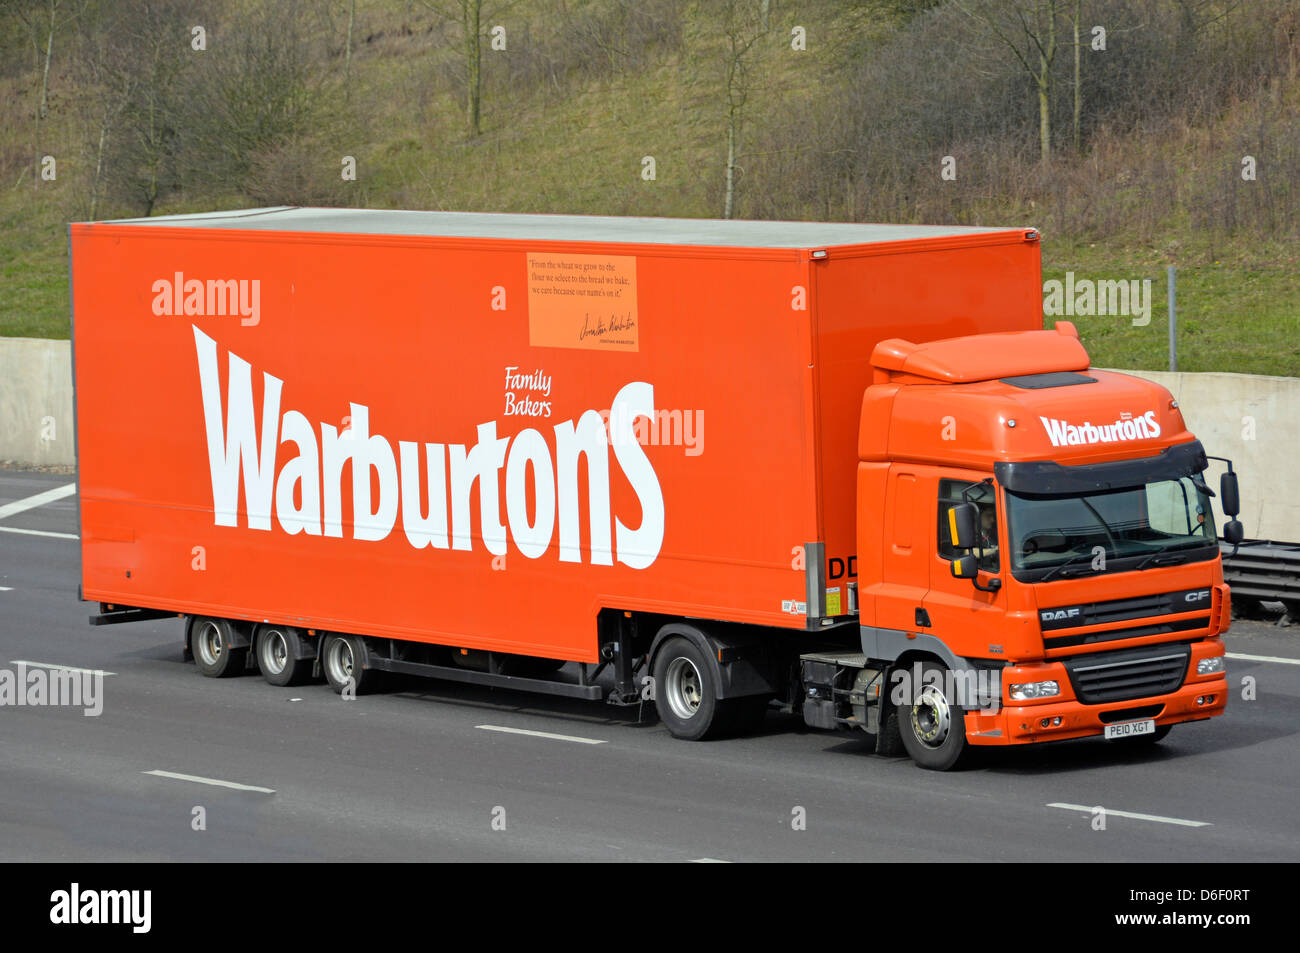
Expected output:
(683, 688)
(931, 717)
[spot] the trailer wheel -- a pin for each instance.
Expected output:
(277, 649)
(341, 657)
(933, 726)
(215, 654)
(685, 694)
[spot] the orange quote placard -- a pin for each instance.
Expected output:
(583, 301)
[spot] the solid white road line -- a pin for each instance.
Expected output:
(1137, 817)
(708, 860)
(540, 734)
(6, 588)
(1263, 658)
(40, 499)
(38, 532)
(60, 668)
(213, 781)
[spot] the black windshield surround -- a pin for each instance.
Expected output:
(1110, 513)
(1050, 477)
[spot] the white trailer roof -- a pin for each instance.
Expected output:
(586, 228)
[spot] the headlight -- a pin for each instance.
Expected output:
(1035, 690)
(1208, 666)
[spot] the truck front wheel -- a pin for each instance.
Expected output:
(685, 694)
(933, 726)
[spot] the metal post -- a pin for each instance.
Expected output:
(1173, 321)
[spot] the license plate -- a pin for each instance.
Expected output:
(1131, 729)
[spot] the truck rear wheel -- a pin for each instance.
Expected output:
(933, 726)
(341, 660)
(213, 643)
(278, 650)
(685, 694)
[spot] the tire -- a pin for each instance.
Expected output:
(341, 659)
(686, 696)
(212, 642)
(933, 727)
(889, 741)
(277, 649)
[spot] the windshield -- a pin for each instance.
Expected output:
(1160, 523)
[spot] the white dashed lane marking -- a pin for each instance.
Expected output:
(215, 782)
(1129, 814)
(541, 734)
(40, 499)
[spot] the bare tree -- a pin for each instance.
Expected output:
(1078, 87)
(43, 19)
(743, 27)
(144, 84)
(1028, 29)
(347, 58)
(108, 83)
(258, 92)
(470, 16)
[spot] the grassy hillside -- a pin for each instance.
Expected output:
(586, 90)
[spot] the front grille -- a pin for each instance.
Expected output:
(1133, 632)
(1118, 610)
(1132, 673)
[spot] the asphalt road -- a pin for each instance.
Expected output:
(413, 774)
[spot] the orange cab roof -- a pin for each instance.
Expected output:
(983, 357)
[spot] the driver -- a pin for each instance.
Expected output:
(988, 538)
(988, 529)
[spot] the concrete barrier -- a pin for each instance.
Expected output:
(36, 402)
(1254, 421)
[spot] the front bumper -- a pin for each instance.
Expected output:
(1016, 724)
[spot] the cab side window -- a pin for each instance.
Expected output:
(986, 527)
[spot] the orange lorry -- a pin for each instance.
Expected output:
(837, 468)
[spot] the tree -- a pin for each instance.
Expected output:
(255, 89)
(470, 16)
(1078, 88)
(742, 28)
(132, 56)
(43, 18)
(1028, 29)
(347, 59)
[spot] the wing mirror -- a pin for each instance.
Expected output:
(962, 518)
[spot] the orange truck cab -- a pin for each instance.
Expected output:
(1071, 584)
(720, 465)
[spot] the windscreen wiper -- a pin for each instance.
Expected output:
(1166, 556)
(1061, 567)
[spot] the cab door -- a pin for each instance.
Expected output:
(905, 551)
(970, 621)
